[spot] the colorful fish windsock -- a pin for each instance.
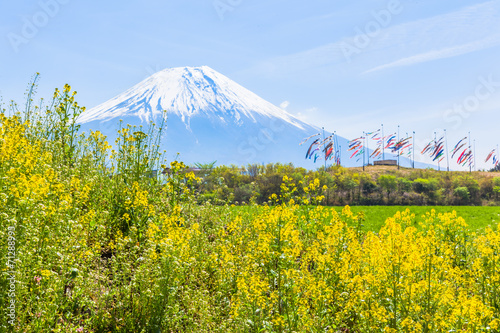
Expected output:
(435, 149)
(328, 146)
(310, 150)
(356, 153)
(356, 143)
(306, 139)
(319, 146)
(458, 149)
(376, 152)
(466, 157)
(493, 155)
(463, 149)
(438, 154)
(329, 153)
(327, 140)
(373, 134)
(337, 157)
(390, 141)
(400, 146)
(427, 148)
(461, 144)
(490, 155)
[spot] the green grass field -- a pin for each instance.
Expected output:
(477, 217)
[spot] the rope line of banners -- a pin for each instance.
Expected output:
(329, 149)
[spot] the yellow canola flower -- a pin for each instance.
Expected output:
(45, 273)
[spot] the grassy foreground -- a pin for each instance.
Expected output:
(478, 218)
(374, 217)
(91, 241)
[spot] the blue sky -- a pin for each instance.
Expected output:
(346, 65)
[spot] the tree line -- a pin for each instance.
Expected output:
(344, 186)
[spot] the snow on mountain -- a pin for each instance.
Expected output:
(188, 92)
(209, 117)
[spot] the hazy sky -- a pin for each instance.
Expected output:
(346, 65)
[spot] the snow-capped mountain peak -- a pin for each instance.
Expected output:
(188, 92)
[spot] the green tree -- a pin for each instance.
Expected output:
(388, 183)
(428, 187)
(472, 185)
(496, 187)
(462, 194)
(404, 185)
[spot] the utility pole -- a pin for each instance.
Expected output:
(447, 153)
(474, 155)
(498, 156)
(335, 147)
(413, 150)
(435, 144)
(368, 150)
(364, 144)
(340, 155)
(398, 150)
(324, 145)
(383, 143)
(470, 165)
(407, 136)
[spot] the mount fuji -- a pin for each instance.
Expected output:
(209, 118)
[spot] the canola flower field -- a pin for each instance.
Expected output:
(90, 241)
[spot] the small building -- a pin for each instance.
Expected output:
(386, 162)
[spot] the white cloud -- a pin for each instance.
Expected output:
(308, 114)
(284, 105)
(442, 53)
(469, 29)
